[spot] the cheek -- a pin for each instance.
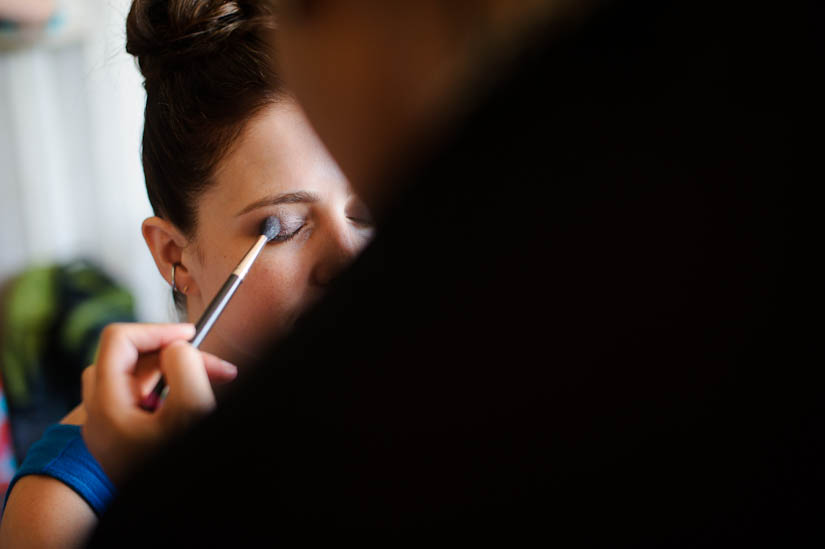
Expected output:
(269, 300)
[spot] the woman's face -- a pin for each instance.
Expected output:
(278, 167)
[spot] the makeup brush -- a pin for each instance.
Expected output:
(269, 231)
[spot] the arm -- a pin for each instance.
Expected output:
(42, 511)
(76, 416)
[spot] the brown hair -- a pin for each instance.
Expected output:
(208, 70)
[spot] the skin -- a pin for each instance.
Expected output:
(399, 71)
(28, 523)
(377, 99)
(277, 154)
(42, 511)
(374, 78)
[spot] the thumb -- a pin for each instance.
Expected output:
(190, 393)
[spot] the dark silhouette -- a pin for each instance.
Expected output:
(580, 320)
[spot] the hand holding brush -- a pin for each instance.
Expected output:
(270, 228)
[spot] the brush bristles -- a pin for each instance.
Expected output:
(270, 227)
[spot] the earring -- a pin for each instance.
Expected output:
(174, 284)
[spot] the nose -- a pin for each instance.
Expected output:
(340, 246)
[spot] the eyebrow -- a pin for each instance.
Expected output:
(285, 198)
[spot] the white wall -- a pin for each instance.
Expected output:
(71, 184)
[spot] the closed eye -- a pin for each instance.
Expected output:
(283, 236)
(360, 221)
(358, 213)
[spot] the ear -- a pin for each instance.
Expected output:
(167, 242)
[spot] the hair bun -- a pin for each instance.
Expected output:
(164, 33)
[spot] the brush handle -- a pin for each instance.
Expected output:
(211, 314)
(215, 308)
(204, 324)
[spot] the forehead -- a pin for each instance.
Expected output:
(277, 152)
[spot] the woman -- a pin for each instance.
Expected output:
(224, 147)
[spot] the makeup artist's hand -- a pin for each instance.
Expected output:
(117, 431)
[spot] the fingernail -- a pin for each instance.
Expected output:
(230, 368)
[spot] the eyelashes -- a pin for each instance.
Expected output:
(284, 237)
(359, 214)
(364, 222)
(290, 227)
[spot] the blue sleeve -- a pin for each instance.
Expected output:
(61, 453)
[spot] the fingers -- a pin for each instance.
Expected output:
(219, 371)
(117, 430)
(120, 348)
(87, 387)
(190, 392)
(87, 380)
(122, 343)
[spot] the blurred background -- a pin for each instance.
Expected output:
(71, 116)
(72, 199)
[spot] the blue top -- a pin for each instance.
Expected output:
(61, 453)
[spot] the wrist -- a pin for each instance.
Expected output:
(61, 453)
